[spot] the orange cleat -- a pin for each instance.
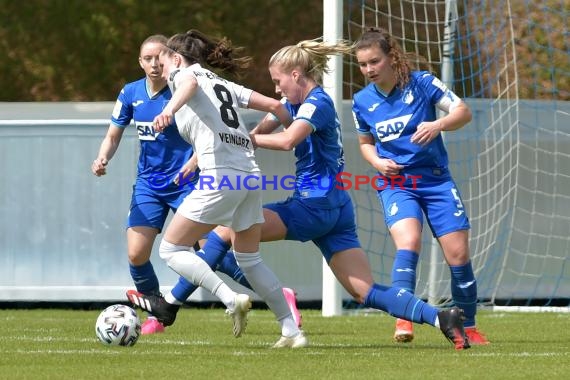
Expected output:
(476, 337)
(404, 331)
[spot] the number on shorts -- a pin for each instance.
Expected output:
(457, 198)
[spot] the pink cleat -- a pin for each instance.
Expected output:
(151, 326)
(291, 298)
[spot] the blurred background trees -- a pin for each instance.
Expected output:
(79, 50)
(75, 50)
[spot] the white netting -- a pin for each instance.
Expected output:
(510, 62)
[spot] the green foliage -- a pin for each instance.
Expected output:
(61, 344)
(73, 50)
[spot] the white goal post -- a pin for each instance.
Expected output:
(332, 83)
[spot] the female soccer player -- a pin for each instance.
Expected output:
(400, 135)
(319, 209)
(164, 159)
(205, 107)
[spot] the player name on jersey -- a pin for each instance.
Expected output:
(234, 139)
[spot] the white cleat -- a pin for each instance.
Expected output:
(297, 341)
(239, 313)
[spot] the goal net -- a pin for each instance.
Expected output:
(509, 60)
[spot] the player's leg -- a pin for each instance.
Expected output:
(342, 251)
(463, 281)
(216, 255)
(147, 214)
(406, 234)
(403, 216)
(139, 247)
(449, 223)
(352, 269)
(177, 250)
(262, 279)
(198, 214)
(219, 241)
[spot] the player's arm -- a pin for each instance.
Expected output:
(286, 140)
(107, 150)
(458, 115)
(267, 125)
(186, 88)
(264, 103)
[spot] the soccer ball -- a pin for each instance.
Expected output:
(118, 325)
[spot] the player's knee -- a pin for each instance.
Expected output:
(138, 257)
(167, 250)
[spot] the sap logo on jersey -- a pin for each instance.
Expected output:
(146, 132)
(392, 129)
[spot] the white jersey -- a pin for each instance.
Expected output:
(211, 122)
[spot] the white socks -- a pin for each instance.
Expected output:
(266, 284)
(183, 260)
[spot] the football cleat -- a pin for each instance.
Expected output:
(239, 313)
(151, 326)
(291, 298)
(404, 331)
(164, 312)
(476, 337)
(451, 325)
(297, 341)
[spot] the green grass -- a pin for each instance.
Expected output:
(61, 344)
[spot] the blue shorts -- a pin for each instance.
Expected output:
(332, 230)
(431, 192)
(150, 207)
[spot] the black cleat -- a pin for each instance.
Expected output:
(164, 312)
(451, 325)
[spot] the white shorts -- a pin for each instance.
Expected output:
(223, 197)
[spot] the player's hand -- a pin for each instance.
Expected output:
(162, 121)
(388, 167)
(186, 173)
(99, 166)
(426, 132)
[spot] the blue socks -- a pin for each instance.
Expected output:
(401, 304)
(230, 267)
(404, 270)
(464, 291)
(145, 278)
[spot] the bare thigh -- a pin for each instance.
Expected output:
(183, 231)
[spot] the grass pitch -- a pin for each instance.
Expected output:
(61, 344)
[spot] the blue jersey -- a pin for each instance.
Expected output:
(162, 154)
(394, 118)
(320, 157)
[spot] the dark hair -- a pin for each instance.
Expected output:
(196, 47)
(155, 38)
(402, 62)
